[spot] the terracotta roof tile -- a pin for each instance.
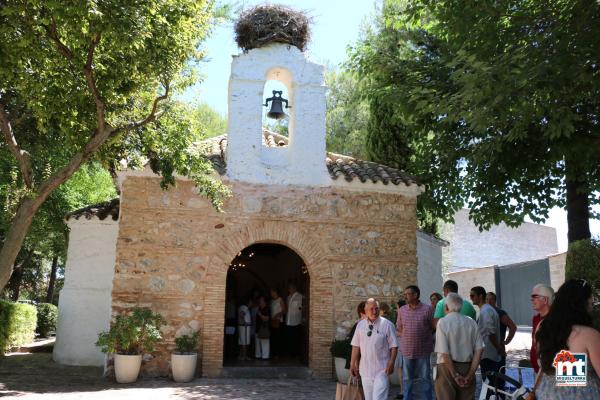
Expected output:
(100, 211)
(338, 165)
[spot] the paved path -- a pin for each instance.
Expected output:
(36, 376)
(522, 339)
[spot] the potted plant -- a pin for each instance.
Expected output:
(340, 350)
(183, 361)
(128, 338)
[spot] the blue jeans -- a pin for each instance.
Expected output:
(416, 369)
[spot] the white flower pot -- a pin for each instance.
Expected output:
(342, 373)
(127, 368)
(183, 366)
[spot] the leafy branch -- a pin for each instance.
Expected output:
(22, 156)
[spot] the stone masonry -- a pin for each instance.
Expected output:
(174, 251)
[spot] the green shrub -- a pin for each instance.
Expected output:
(47, 314)
(17, 324)
(583, 262)
(186, 344)
(136, 333)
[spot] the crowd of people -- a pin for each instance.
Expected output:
(271, 325)
(444, 343)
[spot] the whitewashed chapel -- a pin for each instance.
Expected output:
(342, 229)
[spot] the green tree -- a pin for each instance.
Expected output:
(499, 103)
(91, 80)
(367, 128)
(347, 115)
(211, 122)
(44, 249)
(583, 261)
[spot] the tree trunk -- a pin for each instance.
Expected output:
(578, 206)
(29, 206)
(16, 234)
(50, 293)
(14, 284)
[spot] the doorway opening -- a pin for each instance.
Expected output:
(262, 278)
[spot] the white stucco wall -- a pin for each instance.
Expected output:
(429, 272)
(501, 245)
(302, 161)
(557, 264)
(84, 306)
(469, 278)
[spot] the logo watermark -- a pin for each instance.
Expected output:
(571, 368)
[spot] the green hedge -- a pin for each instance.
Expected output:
(17, 324)
(583, 262)
(47, 314)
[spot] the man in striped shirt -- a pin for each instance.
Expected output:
(415, 328)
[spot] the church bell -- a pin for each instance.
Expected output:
(276, 111)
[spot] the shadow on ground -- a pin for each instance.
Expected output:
(36, 375)
(37, 372)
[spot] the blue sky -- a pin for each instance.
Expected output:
(336, 24)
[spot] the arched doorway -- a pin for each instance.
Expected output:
(252, 274)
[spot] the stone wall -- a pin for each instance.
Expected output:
(174, 250)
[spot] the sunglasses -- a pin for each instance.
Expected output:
(371, 326)
(536, 296)
(583, 282)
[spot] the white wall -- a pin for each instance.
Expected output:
(429, 271)
(302, 162)
(501, 245)
(84, 307)
(557, 264)
(469, 278)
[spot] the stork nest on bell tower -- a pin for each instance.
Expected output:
(265, 24)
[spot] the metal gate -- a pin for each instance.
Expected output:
(513, 287)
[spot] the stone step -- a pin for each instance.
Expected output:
(267, 372)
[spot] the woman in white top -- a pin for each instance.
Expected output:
(244, 329)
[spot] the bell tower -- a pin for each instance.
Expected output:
(302, 161)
